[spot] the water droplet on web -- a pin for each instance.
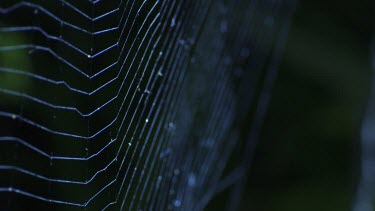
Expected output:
(159, 180)
(223, 26)
(88, 56)
(191, 180)
(173, 22)
(14, 116)
(182, 42)
(146, 120)
(208, 143)
(176, 172)
(171, 125)
(129, 143)
(160, 73)
(177, 203)
(166, 152)
(191, 41)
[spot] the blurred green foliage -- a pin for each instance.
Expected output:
(17, 59)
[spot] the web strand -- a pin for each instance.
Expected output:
(127, 105)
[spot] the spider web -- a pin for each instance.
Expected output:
(129, 104)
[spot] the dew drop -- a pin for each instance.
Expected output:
(224, 26)
(171, 126)
(173, 22)
(191, 180)
(176, 171)
(159, 180)
(177, 203)
(182, 42)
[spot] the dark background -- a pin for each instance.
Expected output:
(308, 155)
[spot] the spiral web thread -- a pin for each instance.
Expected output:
(132, 105)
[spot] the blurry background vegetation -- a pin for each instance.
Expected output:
(308, 157)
